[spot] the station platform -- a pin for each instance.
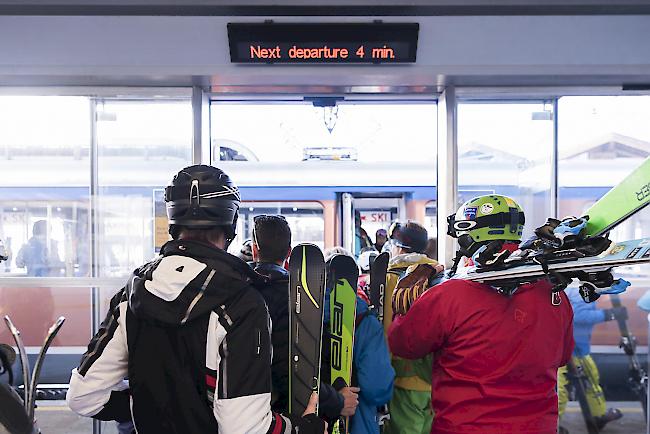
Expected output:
(631, 423)
(54, 417)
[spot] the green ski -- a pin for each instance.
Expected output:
(343, 276)
(625, 199)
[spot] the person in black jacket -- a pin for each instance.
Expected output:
(273, 234)
(271, 247)
(189, 331)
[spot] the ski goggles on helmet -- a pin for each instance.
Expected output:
(514, 218)
(412, 238)
(394, 229)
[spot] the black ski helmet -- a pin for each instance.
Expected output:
(202, 197)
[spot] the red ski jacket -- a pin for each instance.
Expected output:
(495, 358)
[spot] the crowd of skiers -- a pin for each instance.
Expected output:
(197, 340)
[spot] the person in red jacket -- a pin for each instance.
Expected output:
(495, 356)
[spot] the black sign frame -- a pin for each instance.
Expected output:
(327, 43)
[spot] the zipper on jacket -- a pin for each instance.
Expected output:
(259, 341)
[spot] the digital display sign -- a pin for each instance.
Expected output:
(323, 43)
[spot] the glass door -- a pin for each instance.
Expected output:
(303, 151)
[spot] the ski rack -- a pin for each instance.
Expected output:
(30, 381)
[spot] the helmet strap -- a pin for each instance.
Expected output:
(174, 231)
(514, 219)
(230, 234)
(467, 247)
(454, 267)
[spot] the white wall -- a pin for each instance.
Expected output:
(567, 46)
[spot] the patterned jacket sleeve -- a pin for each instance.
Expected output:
(97, 386)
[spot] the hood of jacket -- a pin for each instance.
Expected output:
(188, 280)
(405, 260)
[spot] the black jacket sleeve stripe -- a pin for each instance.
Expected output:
(104, 335)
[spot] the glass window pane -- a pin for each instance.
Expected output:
(44, 212)
(295, 151)
(142, 144)
(505, 148)
(33, 310)
(44, 187)
(305, 220)
(601, 140)
(299, 132)
(430, 219)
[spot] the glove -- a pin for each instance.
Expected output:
(619, 286)
(412, 286)
(619, 313)
(556, 233)
(490, 255)
(545, 231)
(570, 228)
(309, 424)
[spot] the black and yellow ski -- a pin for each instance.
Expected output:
(378, 271)
(306, 292)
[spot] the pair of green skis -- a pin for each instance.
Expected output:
(308, 282)
(307, 285)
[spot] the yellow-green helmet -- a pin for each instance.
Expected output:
(486, 218)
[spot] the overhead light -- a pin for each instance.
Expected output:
(103, 116)
(542, 116)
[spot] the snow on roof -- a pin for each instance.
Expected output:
(611, 144)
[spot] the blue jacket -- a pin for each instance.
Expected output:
(371, 368)
(585, 316)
